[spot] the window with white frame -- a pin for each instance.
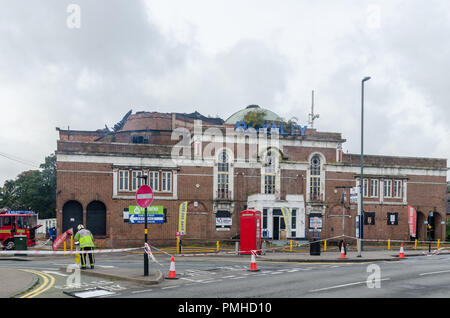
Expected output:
(124, 180)
(223, 171)
(398, 188)
(366, 188)
(373, 187)
(269, 184)
(269, 173)
(166, 181)
(314, 186)
(387, 188)
(136, 180)
(153, 180)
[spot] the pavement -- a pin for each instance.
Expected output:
(15, 281)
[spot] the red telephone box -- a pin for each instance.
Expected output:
(250, 232)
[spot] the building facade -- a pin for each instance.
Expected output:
(221, 168)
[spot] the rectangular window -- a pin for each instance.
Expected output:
(153, 180)
(269, 184)
(392, 218)
(398, 188)
(136, 180)
(264, 220)
(369, 218)
(366, 188)
(166, 181)
(373, 187)
(7, 221)
(123, 180)
(1, 221)
(140, 139)
(387, 188)
(315, 188)
(294, 219)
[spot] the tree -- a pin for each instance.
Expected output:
(255, 118)
(33, 190)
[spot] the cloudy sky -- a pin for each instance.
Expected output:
(86, 65)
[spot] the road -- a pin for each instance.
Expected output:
(415, 277)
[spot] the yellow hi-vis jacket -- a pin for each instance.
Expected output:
(85, 238)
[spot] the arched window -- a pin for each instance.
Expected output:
(72, 215)
(96, 218)
(314, 184)
(223, 176)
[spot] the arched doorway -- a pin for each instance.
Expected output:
(72, 215)
(96, 218)
(421, 226)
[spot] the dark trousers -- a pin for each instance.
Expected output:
(91, 257)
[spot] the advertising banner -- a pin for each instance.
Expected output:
(287, 218)
(182, 218)
(412, 220)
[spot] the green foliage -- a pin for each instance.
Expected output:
(255, 118)
(33, 190)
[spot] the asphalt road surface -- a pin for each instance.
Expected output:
(415, 277)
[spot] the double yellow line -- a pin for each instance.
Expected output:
(47, 282)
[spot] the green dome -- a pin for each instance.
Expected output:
(239, 116)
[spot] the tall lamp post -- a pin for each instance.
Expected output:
(361, 183)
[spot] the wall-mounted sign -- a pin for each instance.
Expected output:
(155, 214)
(315, 222)
(269, 127)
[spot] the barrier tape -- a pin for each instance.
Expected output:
(68, 253)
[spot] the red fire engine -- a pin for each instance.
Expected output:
(17, 223)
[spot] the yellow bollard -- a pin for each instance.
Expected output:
(389, 244)
(357, 244)
(325, 245)
(65, 247)
(291, 247)
(439, 241)
(71, 243)
(415, 244)
(178, 245)
(217, 247)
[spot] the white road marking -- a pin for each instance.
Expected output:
(169, 287)
(343, 285)
(431, 273)
(141, 291)
(56, 273)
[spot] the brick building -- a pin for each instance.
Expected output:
(223, 167)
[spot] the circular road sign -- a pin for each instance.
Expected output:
(144, 196)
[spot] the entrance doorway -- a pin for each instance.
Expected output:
(278, 224)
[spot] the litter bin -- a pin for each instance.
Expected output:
(314, 248)
(20, 244)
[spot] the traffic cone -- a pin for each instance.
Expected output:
(253, 267)
(342, 251)
(172, 274)
(402, 252)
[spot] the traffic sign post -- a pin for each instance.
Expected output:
(144, 197)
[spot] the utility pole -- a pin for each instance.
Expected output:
(361, 184)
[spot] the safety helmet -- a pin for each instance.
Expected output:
(80, 227)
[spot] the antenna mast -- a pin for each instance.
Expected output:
(312, 116)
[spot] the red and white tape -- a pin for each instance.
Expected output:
(67, 253)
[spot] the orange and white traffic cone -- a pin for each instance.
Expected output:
(172, 274)
(342, 251)
(253, 267)
(402, 252)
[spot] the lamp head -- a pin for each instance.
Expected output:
(366, 78)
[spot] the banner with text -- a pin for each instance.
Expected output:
(182, 218)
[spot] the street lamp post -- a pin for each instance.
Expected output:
(361, 183)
